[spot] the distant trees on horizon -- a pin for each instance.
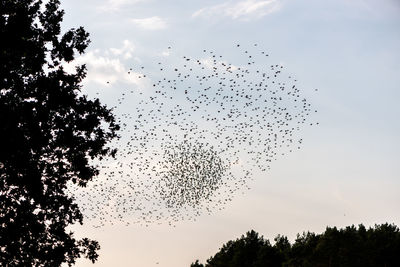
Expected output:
(351, 246)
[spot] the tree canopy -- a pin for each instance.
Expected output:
(50, 133)
(351, 246)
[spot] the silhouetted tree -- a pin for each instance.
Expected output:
(49, 133)
(282, 248)
(348, 247)
(250, 250)
(302, 250)
(196, 264)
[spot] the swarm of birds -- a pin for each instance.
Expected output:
(190, 174)
(193, 137)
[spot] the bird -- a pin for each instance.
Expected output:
(196, 137)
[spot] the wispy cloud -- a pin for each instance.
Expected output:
(373, 8)
(151, 23)
(243, 10)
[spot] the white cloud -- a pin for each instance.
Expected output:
(126, 50)
(243, 10)
(107, 67)
(115, 5)
(151, 23)
(211, 64)
(165, 53)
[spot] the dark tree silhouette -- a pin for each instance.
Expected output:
(348, 247)
(250, 250)
(196, 264)
(49, 132)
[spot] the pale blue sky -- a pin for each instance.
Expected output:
(349, 167)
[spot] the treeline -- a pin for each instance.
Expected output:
(351, 246)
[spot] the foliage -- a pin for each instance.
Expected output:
(196, 264)
(49, 132)
(351, 246)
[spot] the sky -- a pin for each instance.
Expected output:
(347, 171)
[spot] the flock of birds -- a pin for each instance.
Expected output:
(194, 136)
